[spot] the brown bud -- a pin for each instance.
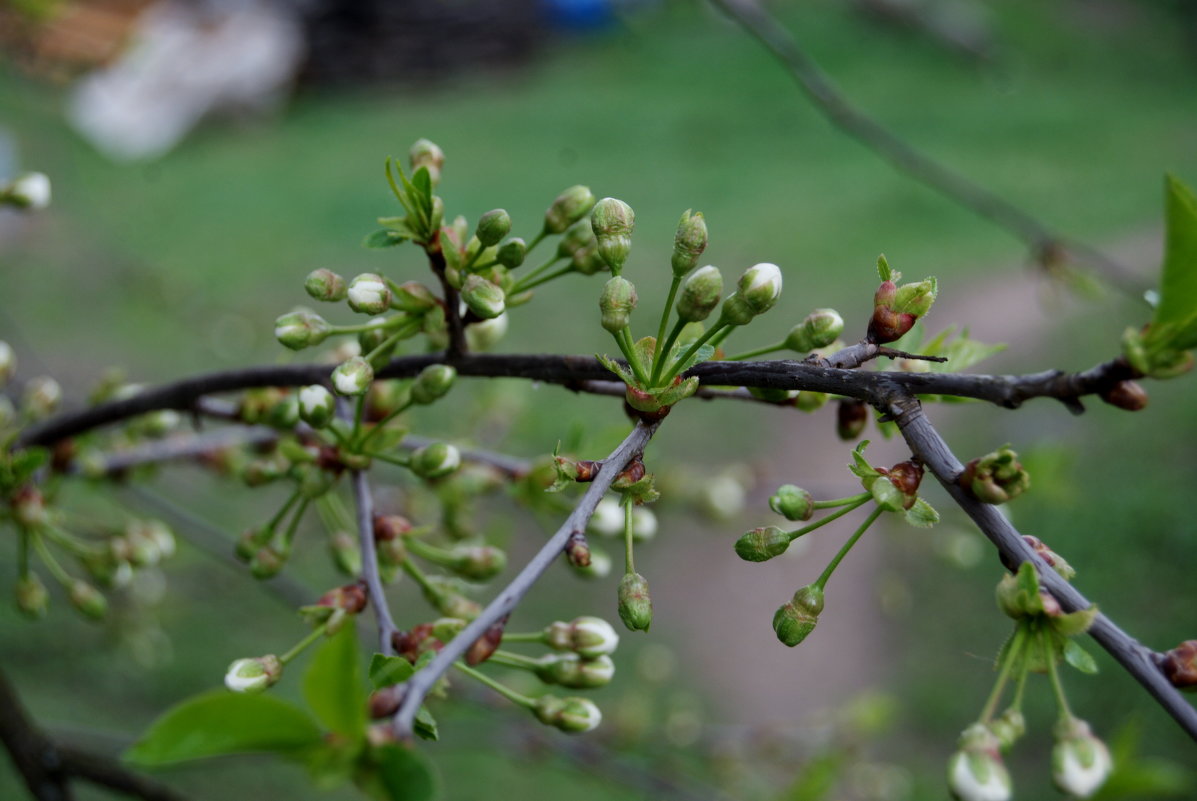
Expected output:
(487, 644)
(63, 452)
(1180, 666)
(388, 527)
(352, 598)
(887, 325)
(631, 474)
(410, 644)
(577, 550)
(850, 418)
(588, 470)
(385, 702)
(1128, 395)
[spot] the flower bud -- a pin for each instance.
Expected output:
(635, 605)
(616, 303)
(820, 328)
(644, 524)
(607, 520)
(792, 503)
(41, 397)
(435, 461)
(425, 153)
(762, 544)
(570, 670)
(413, 297)
(807, 401)
(253, 675)
(599, 567)
(1081, 763)
(432, 383)
(735, 310)
(325, 285)
(886, 495)
(569, 207)
(301, 328)
(1128, 395)
(688, 243)
(353, 377)
(492, 227)
(28, 191)
(369, 294)
(29, 507)
(578, 238)
(8, 362)
(996, 477)
(88, 600)
(486, 334)
(588, 637)
(760, 287)
(1009, 728)
(512, 253)
(483, 298)
(700, 294)
(317, 406)
(613, 221)
(976, 771)
(794, 621)
(251, 541)
(478, 562)
(850, 418)
(346, 553)
(571, 715)
(266, 563)
(32, 597)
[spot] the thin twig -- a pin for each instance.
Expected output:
(418, 686)
(365, 527)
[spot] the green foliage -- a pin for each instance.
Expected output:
(1175, 322)
(333, 686)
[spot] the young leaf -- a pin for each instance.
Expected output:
(701, 355)
(861, 467)
(1176, 315)
(884, 271)
(1078, 657)
(922, 514)
(425, 724)
(624, 373)
(219, 723)
(405, 774)
(383, 239)
(388, 670)
(333, 686)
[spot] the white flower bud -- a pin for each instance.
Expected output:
(486, 334)
(353, 377)
(253, 675)
(1080, 762)
(8, 362)
(369, 294)
(316, 406)
(607, 520)
(29, 191)
(760, 286)
(42, 396)
(976, 771)
(592, 637)
(644, 524)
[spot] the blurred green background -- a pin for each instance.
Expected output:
(181, 265)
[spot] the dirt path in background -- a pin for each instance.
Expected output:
(726, 629)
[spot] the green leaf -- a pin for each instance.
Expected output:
(1078, 657)
(922, 514)
(860, 466)
(701, 355)
(405, 774)
(383, 239)
(333, 685)
(1175, 323)
(220, 723)
(388, 670)
(624, 373)
(884, 271)
(449, 250)
(425, 724)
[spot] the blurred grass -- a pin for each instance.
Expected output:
(182, 265)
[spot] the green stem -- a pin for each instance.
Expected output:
(391, 415)
(410, 568)
(315, 634)
(438, 556)
(717, 341)
(289, 535)
(370, 326)
(860, 501)
(523, 636)
(390, 459)
(624, 340)
(748, 354)
(509, 659)
(75, 545)
(663, 351)
(702, 340)
(839, 557)
(1022, 684)
(842, 501)
(359, 406)
(23, 552)
(999, 686)
(536, 240)
(526, 284)
(677, 282)
(278, 517)
(629, 563)
(56, 570)
(501, 689)
(533, 273)
(392, 340)
(1050, 657)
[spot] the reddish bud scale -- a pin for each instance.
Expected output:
(388, 527)
(577, 550)
(1180, 666)
(1128, 395)
(888, 326)
(410, 644)
(329, 458)
(631, 474)
(352, 598)
(385, 702)
(850, 418)
(483, 647)
(588, 470)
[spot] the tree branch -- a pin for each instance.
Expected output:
(365, 528)
(418, 686)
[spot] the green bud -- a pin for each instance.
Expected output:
(613, 221)
(915, 299)
(762, 544)
(435, 461)
(635, 605)
(317, 406)
(700, 294)
(478, 562)
(616, 303)
(792, 503)
(432, 383)
(492, 227)
(886, 495)
(808, 401)
(88, 600)
(301, 328)
(570, 670)
(569, 207)
(251, 541)
(1081, 763)
(29, 507)
(413, 297)
(483, 298)
(570, 715)
(373, 338)
(8, 362)
(976, 771)
(30, 191)
(266, 563)
(578, 237)
(253, 675)
(794, 622)
(32, 598)
(760, 287)
(512, 253)
(820, 328)
(588, 637)
(352, 377)
(41, 397)
(325, 285)
(736, 311)
(688, 243)
(425, 153)
(369, 294)
(1009, 728)
(314, 481)
(997, 477)
(485, 334)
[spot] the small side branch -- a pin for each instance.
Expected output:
(418, 686)
(456, 326)
(365, 527)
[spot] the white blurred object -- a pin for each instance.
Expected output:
(186, 61)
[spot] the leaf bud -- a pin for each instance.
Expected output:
(570, 670)
(41, 397)
(29, 191)
(253, 675)
(432, 383)
(351, 597)
(413, 297)
(588, 637)
(1128, 395)
(792, 503)
(616, 303)
(325, 285)
(425, 153)
(976, 771)
(492, 227)
(700, 294)
(389, 527)
(570, 715)
(483, 298)
(511, 254)
(436, 460)
(996, 477)
(850, 418)
(915, 298)
(613, 221)
(32, 597)
(1180, 666)
(369, 294)
(478, 562)
(8, 362)
(568, 207)
(794, 621)
(1054, 560)
(635, 605)
(352, 377)
(599, 567)
(301, 328)
(1081, 763)
(762, 544)
(688, 243)
(88, 600)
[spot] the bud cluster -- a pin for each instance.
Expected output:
(996, 477)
